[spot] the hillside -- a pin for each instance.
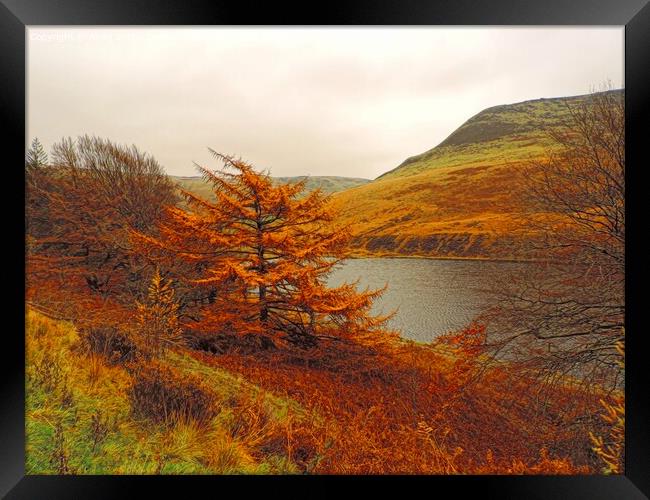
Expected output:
(328, 184)
(81, 416)
(460, 198)
(191, 412)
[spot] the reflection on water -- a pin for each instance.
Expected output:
(433, 296)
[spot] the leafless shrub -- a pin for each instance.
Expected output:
(564, 317)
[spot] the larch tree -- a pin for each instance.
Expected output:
(157, 327)
(266, 250)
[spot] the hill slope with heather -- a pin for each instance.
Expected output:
(459, 199)
(281, 412)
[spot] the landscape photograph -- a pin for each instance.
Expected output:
(325, 250)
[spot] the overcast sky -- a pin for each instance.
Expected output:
(299, 101)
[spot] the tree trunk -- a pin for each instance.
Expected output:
(264, 311)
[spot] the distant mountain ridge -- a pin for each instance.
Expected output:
(328, 184)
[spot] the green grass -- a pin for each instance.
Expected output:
(497, 151)
(66, 389)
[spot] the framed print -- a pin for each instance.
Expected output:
(381, 242)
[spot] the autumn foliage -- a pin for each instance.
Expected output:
(410, 410)
(263, 253)
(80, 208)
(157, 324)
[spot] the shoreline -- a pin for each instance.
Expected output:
(441, 257)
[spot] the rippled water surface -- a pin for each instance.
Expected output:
(433, 296)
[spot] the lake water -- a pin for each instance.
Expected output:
(433, 296)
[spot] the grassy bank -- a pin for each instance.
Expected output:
(80, 419)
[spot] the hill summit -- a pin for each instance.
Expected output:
(459, 198)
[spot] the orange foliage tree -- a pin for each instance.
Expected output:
(264, 251)
(79, 208)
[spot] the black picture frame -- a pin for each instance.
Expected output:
(16, 15)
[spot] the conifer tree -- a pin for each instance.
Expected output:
(36, 156)
(268, 249)
(157, 318)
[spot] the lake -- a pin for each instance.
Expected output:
(433, 296)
